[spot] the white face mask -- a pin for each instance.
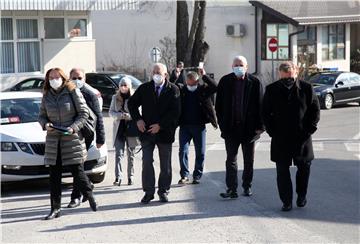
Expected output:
(79, 83)
(191, 88)
(56, 83)
(158, 79)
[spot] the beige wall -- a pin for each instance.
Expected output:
(126, 38)
(69, 54)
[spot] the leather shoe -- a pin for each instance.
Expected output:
(55, 213)
(286, 207)
(247, 192)
(93, 203)
(301, 202)
(163, 197)
(229, 194)
(74, 203)
(147, 198)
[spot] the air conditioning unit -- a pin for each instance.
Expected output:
(235, 30)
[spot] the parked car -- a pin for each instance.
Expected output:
(36, 85)
(23, 141)
(107, 83)
(333, 88)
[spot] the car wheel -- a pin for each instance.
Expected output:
(97, 178)
(328, 101)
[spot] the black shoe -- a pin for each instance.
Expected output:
(84, 199)
(55, 213)
(196, 181)
(130, 182)
(184, 180)
(74, 203)
(301, 202)
(247, 192)
(229, 194)
(117, 182)
(147, 198)
(163, 197)
(286, 207)
(93, 203)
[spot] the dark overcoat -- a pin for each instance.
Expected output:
(291, 117)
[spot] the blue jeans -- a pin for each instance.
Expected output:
(197, 133)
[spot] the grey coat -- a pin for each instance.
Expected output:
(58, 109)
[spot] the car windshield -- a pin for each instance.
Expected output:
(324, 79)
(22, 110)
(134, 82)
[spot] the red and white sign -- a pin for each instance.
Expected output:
(273, 45)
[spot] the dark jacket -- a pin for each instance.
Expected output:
(163, 110)
(178, 80)
(252, 101)
(204, 93)
(68, 109)
(290, 117)
(93, 103)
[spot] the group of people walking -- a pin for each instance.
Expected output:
(288, 111)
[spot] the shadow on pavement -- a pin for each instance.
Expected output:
(331, 198)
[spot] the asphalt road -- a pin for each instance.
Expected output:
(196, 213)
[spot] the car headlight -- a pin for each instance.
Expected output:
(24, 147)
(8, 147)
(12, 167)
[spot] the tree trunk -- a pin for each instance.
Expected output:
(200, 47)
(182, 29)
(193, 30)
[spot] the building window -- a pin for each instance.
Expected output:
(333, 42)
(77, 27)
(281, 33)
(19, 52)
(54, 28)
(306, 46)
(7, 46)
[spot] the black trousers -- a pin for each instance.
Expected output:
(284, 180)
(76, 191)
(148, 173)
(248, 149)
(80, 179)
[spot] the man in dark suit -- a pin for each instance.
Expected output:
(291, 112)
(238, 109)
(160, 110)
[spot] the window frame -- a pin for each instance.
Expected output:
(337, 43)
(276, 55)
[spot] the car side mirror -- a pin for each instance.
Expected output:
(340, 83)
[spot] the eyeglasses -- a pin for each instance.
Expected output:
(77, 78)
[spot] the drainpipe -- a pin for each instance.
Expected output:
(291, 35)
(256, 41)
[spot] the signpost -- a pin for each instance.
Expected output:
(273, 46)
(155, 54)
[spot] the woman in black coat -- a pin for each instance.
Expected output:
(291, 112)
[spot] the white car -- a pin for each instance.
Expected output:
(23, 141)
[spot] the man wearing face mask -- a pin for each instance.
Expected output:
(77, 76)
(291, 112)
(196, 111)
(238, 109)
(160, 109)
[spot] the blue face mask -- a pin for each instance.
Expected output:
(239, 71)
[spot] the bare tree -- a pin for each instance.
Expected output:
(191, 47)
(168, 50)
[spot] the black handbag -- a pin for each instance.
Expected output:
(88, 130)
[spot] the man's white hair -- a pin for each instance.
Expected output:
(161, 66)
(240, 58)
